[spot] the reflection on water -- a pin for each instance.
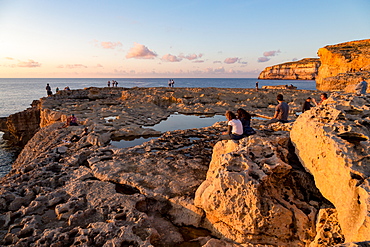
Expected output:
(173, 122)
(183, 122)
(131, 143)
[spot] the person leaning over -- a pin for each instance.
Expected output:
(234, 128)
(281, 111)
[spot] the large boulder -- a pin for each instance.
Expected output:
(256, 192)
(332, 142)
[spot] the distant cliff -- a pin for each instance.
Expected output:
(305, 69)
(343, 64)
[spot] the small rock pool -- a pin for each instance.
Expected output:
(173, 122)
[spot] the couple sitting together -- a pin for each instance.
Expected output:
(238, 127)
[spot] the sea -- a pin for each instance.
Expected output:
(16, 94)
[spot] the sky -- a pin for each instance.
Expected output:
(169, 39)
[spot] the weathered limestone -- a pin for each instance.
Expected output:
(176, 189)
(332, 141)
(305, 69)
(343, 64)
(123, 111)
(21, 126)
(250, 194)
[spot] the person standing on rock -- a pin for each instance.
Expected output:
(234, 128)
(108, 83)
(256, 85)
(361, 87)
(281, 111)
(48, 90)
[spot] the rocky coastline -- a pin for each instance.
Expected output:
(303, 183)
(339, 67)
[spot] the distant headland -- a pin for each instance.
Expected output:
(339, 67)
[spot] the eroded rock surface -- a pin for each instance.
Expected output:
(253, 193)
(175, 190)
(342, 65)
(332, 141)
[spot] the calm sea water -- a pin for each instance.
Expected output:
(17, 94)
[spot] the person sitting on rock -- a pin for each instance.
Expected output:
(307, 105)
(323, 97)
(72, 121)
(281, 111)
(76, 138)
(245, 118)
(234, 128)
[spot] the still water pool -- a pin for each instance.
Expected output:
(173, 122)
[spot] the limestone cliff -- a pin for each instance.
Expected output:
(343, 64)
(332, 141)
(20, 127)
(305, 69)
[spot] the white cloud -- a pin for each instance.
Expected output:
(219, 70)
(171, 58)
(231, 60)
(29, 64)
(263, 59)
(110, 45)
(75, 66)
(191, 56)
(140, 52)
(271, 53)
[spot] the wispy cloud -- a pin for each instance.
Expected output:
(140, 52)
(198, 61)
(231, 60)
(271, 53)
(110, 45)
(171, 58)
(267, 55)
(9, 58)
(219, 70)
(28, 64)
(263, 59)
(75, 66)
(191, 56)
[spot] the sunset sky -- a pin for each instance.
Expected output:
(155, 38)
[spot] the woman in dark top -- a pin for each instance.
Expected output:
(245, 118)
(306, 105)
